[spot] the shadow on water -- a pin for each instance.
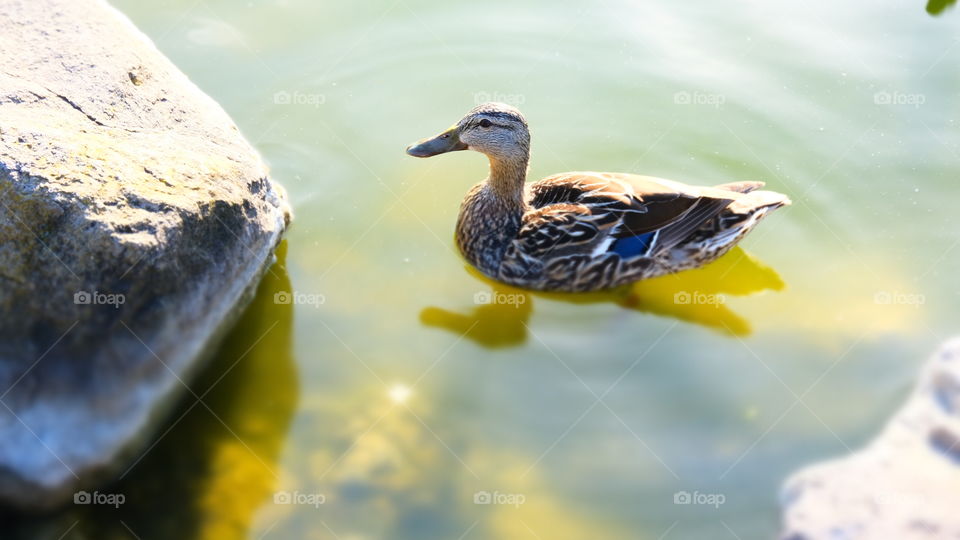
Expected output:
(216, 462)
(936, 7)
(695, 296)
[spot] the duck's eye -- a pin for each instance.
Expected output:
(485, 123)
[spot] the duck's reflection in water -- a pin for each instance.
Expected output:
(695, 296)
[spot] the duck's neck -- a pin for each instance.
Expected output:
(492, 213)
(507, 176)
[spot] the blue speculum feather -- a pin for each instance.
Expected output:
(633, 246)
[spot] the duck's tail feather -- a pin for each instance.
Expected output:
(741, 187)
(720, 234)
(754, 201)
(723, 222)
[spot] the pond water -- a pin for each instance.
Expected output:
(388, 400)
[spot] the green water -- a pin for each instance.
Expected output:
(398, 399)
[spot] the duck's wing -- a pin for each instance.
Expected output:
(631, 215)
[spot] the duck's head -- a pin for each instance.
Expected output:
(495, 129)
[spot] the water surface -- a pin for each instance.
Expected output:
(386, 391)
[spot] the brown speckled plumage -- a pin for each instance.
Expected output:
(585, 231)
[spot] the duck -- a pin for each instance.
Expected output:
(585, 231)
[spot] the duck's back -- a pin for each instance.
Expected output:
(589, 230)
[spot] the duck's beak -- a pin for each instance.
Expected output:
(448, 141)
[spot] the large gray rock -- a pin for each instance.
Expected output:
(135, 221)
(904, 485)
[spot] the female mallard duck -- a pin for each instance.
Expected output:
(584, 231)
